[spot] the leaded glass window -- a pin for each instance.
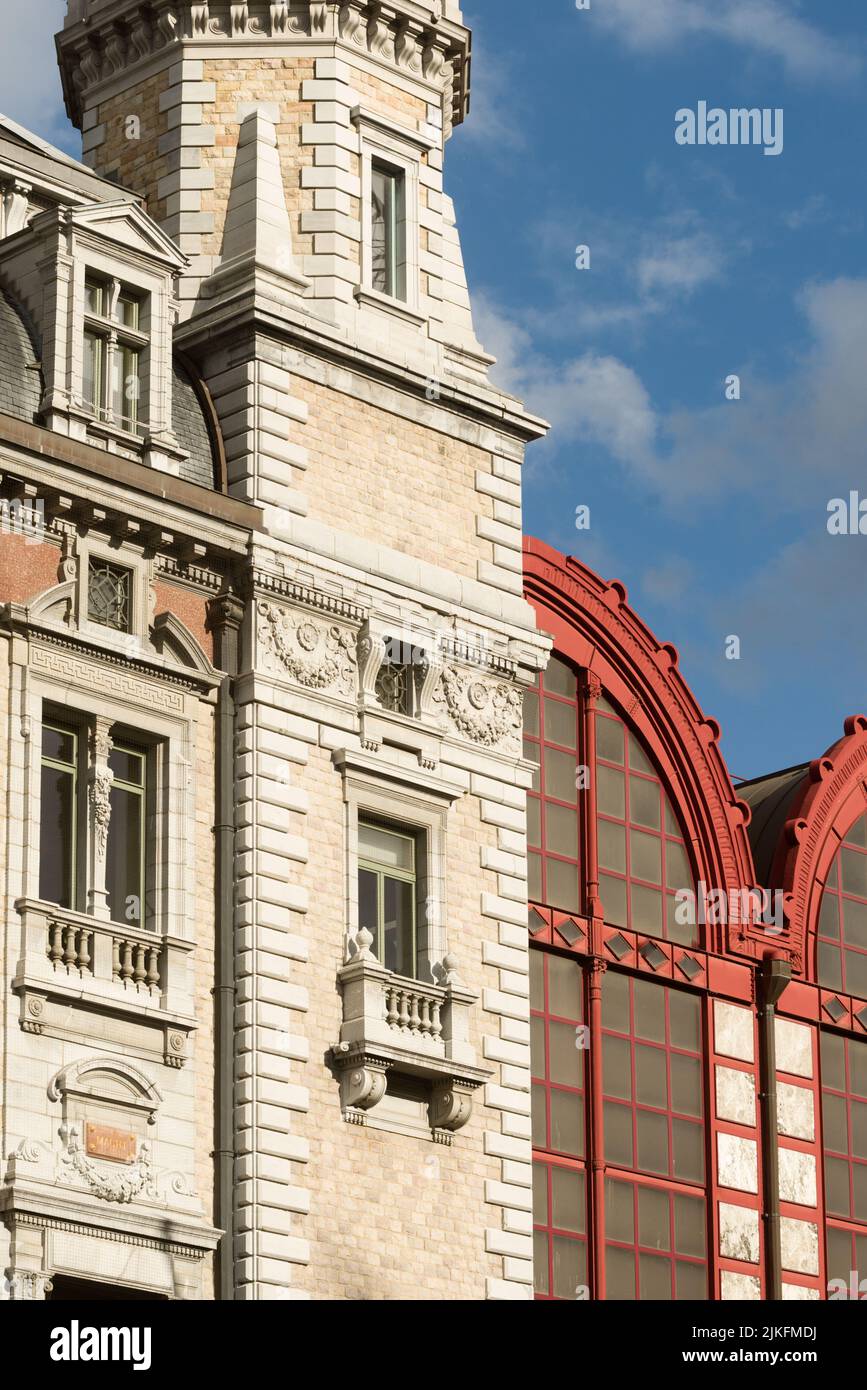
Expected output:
(109, 595)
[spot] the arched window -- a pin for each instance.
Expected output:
(641, 848)
(842, 927)
(642, 855)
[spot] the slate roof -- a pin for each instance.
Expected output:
(20, 379)
(770, 799)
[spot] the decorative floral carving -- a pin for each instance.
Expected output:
(100, 803)
(134, 1181)
(488, 714)
(318, 657)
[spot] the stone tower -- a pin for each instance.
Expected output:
(293, 151)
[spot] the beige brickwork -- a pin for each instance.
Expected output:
(137, 163)
(386, 1204)
(391, 480)
(273, 81)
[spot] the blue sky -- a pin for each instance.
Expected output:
(705, 261)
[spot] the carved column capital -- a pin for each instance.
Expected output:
(25, 1284)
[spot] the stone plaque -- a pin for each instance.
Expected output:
(100, 1141)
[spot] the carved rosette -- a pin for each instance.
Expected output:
(487, 713)
(316, 655)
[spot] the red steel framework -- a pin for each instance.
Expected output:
(624, 674)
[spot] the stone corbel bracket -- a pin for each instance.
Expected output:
(362, 1070)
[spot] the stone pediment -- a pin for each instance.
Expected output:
(124, 222)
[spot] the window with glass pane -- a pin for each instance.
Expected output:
(655, 1242)
(557, 1052)
(653, 1086)
(114, 343)
(643, 859)
(388, 230)
(108, 595)
(125, 853)
(394, 686)
(846, 1251)
(842, 931)
(126, 385)
(58, 828)
(551, 740)
(844, 1127)
(387, 894)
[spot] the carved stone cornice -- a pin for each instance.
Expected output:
(288, 590)
(414, 36)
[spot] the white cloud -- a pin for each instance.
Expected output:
(30, 90)
(594, 398)
(495, 118)
(679, 265)
(788, 445)
(769, 27)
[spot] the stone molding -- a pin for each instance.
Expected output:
(413, 38)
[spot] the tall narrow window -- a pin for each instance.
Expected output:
(388, 230)
(125, 855)
(387, 895)
(58, 830)
(557, 1055)
(844, 1127)
(114, 346)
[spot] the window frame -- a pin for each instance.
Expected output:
(588, 1161)
(116, 338)
(76, 728)
(122, 743)
(382, 873)
(833, 890)
(402, 150)
(169, 741)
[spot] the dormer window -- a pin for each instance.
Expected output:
(115, 345)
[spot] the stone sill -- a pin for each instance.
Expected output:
(398, 308)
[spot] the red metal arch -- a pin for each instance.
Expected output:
(593, 626)
(831, 798)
